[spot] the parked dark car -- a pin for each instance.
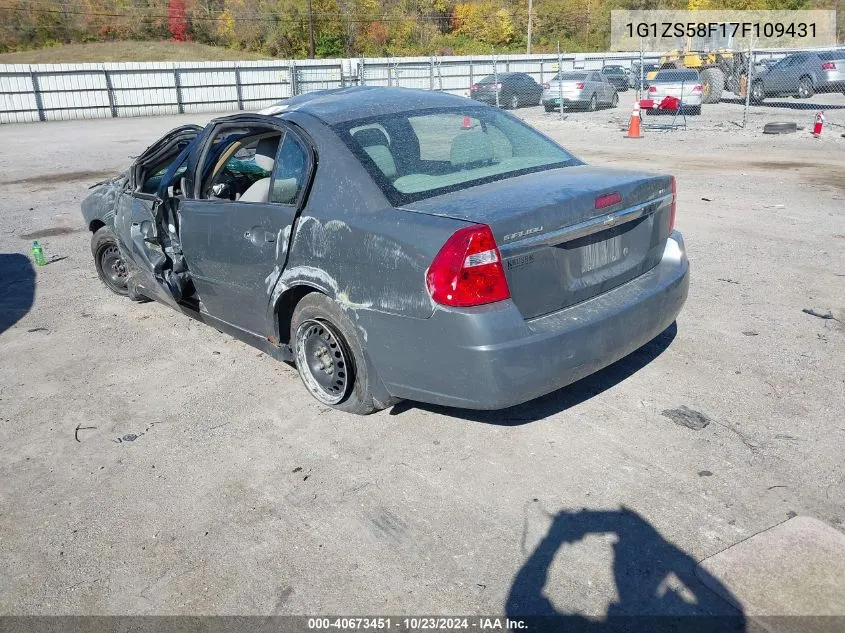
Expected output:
(507, 90)
(617, 76)
(801, 75)
(395, 244)
(647, 69)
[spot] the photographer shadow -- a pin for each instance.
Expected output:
(657, 587)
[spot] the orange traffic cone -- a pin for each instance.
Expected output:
(634, 125)
(466, 125)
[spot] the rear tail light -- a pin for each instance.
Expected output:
(546, 86)
(498, 86)
(697, 88)
(652, 88)
(468, 270)
(608, 200)
(580, 85)
(674, 206)
(828, 65)
(473, 87)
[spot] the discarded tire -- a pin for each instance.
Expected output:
(780, 128)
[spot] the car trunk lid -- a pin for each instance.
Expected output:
(567, 234)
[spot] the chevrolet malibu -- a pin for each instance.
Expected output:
(396, 244)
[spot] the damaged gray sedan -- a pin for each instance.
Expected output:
(397, 244)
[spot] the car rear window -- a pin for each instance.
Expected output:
(421, 154)
(613, 70)
(828, 55)
(676, 75)
(571, 76)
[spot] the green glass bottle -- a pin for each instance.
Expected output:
(38, 254)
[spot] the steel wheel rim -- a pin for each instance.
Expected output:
(803, 88)
(113, 267)
(322, 361)
(514, 102)
(757, 91)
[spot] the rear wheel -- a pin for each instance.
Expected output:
(594, 103)
(712, 85)
(615, 101)
(329, 357)
(549, 107)
(805, 88)
(694, 110)
(111, 269)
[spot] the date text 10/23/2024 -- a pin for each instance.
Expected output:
(487, 624)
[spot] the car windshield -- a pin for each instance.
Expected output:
(613, 70)
(676, 76)
(421, 154)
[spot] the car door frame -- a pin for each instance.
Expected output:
(197, 178)
(143, 237)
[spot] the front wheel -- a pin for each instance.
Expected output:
(615, 101)
(111, 269)
(805, 88)
(329, 357)
(514, 103)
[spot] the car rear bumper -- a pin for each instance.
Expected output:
(490, 358)
(579, 100)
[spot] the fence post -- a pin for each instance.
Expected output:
(431, 73)
(363, 78)
(471, 77)
(239, 87)
(36, 88)
(110, 92)
(541, 72)
(748, 81)
(178, 80)
(559, 82)
(294, 79)
(496, 77)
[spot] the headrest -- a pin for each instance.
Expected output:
(471, 147)
(265, 152)
(371, 136)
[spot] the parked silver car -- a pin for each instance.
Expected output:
(684, 85)
(802, 75)
(585, 89)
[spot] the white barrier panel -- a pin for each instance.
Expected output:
(46, 92)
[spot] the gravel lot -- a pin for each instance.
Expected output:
(204, 479)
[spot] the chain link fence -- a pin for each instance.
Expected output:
(747, 87)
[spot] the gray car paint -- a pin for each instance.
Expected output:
(347, 242)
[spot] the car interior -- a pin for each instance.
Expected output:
(255, 165)
(423, 152)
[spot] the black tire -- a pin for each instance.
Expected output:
(805, 88)
(712, 84)
(514, 101)
(694, 110)
(780, 128)
(615, 101)
(594, 103)
(549, 107)
(757, 92)
(111, 269)
(331, 363)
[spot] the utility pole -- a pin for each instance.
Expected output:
(310, 31)
(530, 11)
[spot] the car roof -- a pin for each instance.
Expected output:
(348, 104)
